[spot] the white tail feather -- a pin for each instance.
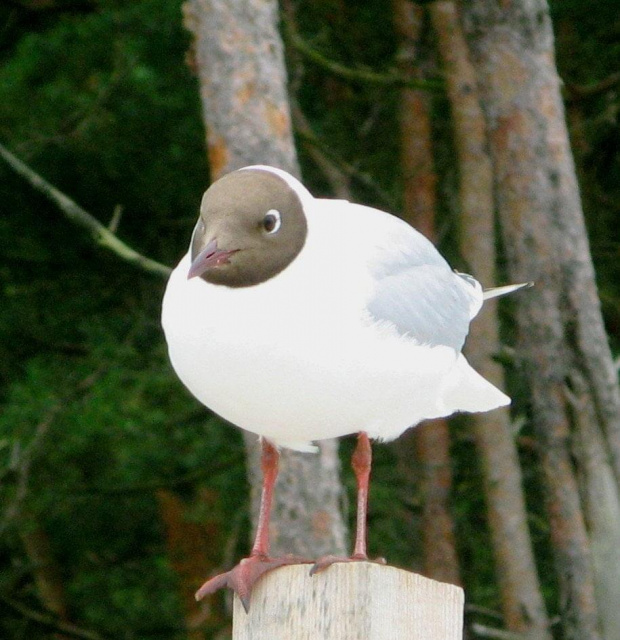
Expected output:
(502, 291)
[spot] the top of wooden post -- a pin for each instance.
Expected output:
(350, 601)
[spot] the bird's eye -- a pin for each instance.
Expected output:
(272, 221)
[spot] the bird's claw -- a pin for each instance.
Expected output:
(326, 561)
(242, 578)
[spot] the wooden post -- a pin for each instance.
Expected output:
(350, 601)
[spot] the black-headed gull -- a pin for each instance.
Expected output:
(298, 319)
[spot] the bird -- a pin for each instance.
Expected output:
(300, 319)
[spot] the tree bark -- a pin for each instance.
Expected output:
(243, 85)
(522, 602)
(307, 500)
(562, 339)
(416, 144)
(431, 441)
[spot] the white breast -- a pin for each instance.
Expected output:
(298, 359)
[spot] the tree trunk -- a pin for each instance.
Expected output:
(431, 440)
(307, 500)
(562, 340)
(522, 601)
(243, 85)
(240, 62)
(416, 144)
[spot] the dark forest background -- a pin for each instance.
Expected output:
(113, 479)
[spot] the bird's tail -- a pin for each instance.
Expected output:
(464, 389)
(502, 291)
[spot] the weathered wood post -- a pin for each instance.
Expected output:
(354, 601)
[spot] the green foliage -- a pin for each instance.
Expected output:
(97, 97)
(93, 419)
(100, 432)
(358, 121)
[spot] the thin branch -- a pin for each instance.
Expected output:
(365, 76)
(23, 461)
(100, 234)
(576, 92)
(485, 611)
(23, 458)
(337, 178)
(116, 218)
(190, 478)
(346, 168)
(339, 182)
(49, 621)
(499, 634)
(52, 6)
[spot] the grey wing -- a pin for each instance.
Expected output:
(425, 300)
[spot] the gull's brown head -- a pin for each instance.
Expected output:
(252, 225)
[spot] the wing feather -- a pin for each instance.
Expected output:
(421, 296)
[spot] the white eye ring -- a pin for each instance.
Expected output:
(272, 221)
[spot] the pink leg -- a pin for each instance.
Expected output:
(361, 462)
(242, 578)
(269, 466)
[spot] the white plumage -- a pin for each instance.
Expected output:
(362, 331)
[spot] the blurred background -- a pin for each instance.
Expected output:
(119, 493)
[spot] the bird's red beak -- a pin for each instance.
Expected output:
(210, 256)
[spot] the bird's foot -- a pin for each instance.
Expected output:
(242, 578)
(327, 561)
